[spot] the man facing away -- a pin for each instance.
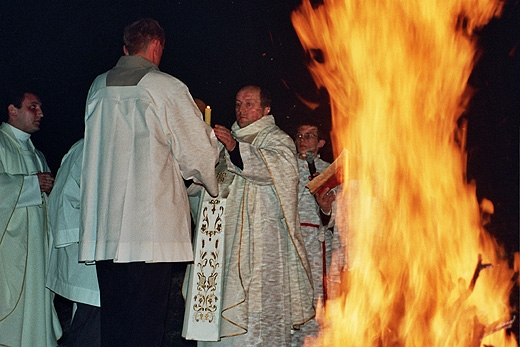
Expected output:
(71, 279)
(267, 285)
(27, 315)
(143, 136)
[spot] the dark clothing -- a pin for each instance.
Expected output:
(126, 292)
(84, 329)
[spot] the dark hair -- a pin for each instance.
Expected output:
(138, 35)
(15, 97)
(265, 95)
(311, 123)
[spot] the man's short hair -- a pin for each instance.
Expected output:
(265, 97)
(311, 123)
(138, 35)
(14, 96)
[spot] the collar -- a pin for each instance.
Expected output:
(249, 132)
(135, 61)
(21, 136)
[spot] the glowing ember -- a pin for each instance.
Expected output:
(396, 72)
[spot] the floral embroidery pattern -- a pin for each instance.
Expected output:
(205, 301)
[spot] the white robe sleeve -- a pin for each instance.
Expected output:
(30, 194)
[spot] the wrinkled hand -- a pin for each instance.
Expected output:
(46, 181)
(324, 198)
(224, 136)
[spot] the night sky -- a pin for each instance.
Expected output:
(215, 47)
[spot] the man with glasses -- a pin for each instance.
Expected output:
(315, 212)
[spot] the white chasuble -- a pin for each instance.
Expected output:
(27, 314)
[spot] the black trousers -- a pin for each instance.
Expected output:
(84, 329)
(134, 302)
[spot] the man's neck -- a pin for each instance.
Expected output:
(21, 136)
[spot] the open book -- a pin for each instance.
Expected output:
(330, 177)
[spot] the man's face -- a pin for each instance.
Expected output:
(27, 118)
(307, 140)
(247, 107)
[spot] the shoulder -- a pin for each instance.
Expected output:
(4, 140)
(281, 136)
(322, 162)
(276, 138)
(160, 79)
(6, 135)
(321, 165)
(165, 87)
(75, 152)
(98, 83)
(272, 131)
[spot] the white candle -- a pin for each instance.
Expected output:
(207, 115)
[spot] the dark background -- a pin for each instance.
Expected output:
(215, 47)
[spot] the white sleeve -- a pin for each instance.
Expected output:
(31, 194)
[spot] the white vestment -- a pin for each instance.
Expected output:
(314, 235)
(267, 280)
(141, 141)
(67, 277)
(27, 315)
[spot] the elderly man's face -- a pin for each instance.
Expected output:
(27, 118)
(247, 107)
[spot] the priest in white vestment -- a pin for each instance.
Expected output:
(315, 218)
(27, 314)
(267, 288)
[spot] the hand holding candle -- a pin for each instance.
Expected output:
(207, 115)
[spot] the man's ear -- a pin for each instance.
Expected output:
(125, 50)
(321, 143)
(156, 45)
(12, 115)
(267, 110)
(11, 110)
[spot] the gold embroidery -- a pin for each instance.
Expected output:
(221, 176)
(205, 301)
(217, 223)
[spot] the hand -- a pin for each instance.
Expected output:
(314, 175)
(46, 181)
(324, 198)
(224, 135)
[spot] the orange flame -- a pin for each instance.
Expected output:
(396, 73)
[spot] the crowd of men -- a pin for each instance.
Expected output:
(105, 232)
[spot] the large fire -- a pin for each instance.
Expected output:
(396, 72)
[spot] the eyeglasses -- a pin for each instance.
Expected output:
(306, 136)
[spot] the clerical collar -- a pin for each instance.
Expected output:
(21, 136)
